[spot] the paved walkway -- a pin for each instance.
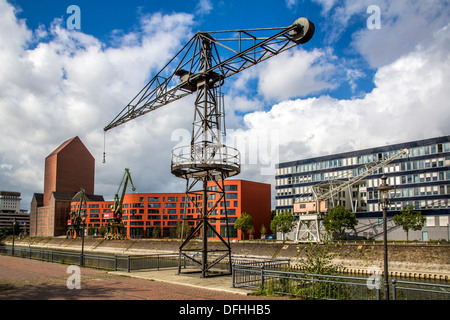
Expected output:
(24, 279)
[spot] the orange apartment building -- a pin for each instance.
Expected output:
(157, 215)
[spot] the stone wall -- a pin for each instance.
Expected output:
(406, 258)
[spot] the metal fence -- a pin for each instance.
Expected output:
(100, 261)
(129, 262)
(408, 290)
(332, 287)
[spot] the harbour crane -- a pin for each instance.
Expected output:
(74, 224)
(114, 224)
(202, 66)
(312, 212)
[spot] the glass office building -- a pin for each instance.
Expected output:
(421, 179)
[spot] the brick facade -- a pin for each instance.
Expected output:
(67, 169)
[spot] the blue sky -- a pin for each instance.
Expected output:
(350, 87)
(107, 20)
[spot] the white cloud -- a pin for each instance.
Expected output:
(71, 84)
(291, 4)
(403, 25)
(203, 7)
(56, 84)
(410, 101)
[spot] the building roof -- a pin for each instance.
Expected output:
(65, 144)
(10, 193)
(354, 153)
(68, 196)
(39, 198)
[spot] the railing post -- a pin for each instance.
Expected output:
(233, 275)
(128, 264)
(394, 289)
(115, 262)
(262, 276)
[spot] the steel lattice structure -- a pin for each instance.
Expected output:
(202, 66)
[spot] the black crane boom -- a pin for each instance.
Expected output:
(234, 51)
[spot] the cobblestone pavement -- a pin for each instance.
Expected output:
(24, 279)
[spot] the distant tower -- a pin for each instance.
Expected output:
(67, 169)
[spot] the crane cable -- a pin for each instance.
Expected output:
(104, 146)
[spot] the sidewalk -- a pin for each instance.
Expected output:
(25, 279)
(169, 275)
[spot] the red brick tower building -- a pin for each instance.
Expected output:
(67, 169)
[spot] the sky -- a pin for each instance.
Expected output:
(375, 72)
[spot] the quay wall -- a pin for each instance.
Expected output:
(417, 260)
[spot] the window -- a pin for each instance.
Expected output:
(153, 199)
(231, 195)
(154, 205)
(431, 221)
(443, 221)
(229, 211)
(170, 205)
(231, 187)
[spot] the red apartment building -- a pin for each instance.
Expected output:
(156, 215)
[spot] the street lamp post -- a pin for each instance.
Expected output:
(14, 235)
(384, 200)
(83, 220)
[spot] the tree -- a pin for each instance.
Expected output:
(183, 225)
(284, 222)
(156, 232)
(409, 219)
(263, 231)
(339, 219)
(319, 258)
(244, 223)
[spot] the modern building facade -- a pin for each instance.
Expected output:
(9, 201)
(67, 169)
(10, 211)
(157, 215)
(421, 179)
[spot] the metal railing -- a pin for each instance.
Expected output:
(408, 290)
(333, 287)
(101, 261)
(129, 262)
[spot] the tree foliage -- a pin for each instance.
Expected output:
(244, 223)
(409, 219)
(338, 220)
(318, 258)
(284, 222)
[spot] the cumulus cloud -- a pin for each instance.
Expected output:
(57, 83)
(203, 7)
(409, 101)
(71, 84)
(403, 24)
